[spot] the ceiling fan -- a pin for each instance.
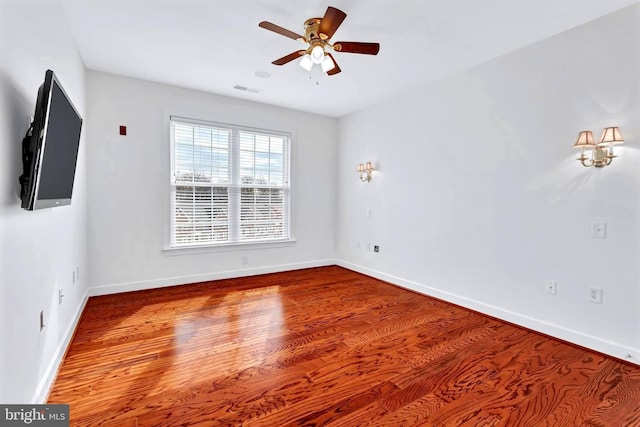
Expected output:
(317, 32)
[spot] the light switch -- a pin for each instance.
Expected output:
(599, 230)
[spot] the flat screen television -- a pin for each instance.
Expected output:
(50, 148)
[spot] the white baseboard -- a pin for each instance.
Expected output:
(42, 391)
(611, 348)
(196, 278)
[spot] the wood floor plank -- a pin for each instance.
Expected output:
(326, 346)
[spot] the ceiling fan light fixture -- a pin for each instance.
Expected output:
(328, 64)
(306, 62)
(317, 54)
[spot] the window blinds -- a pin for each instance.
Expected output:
(229, 184)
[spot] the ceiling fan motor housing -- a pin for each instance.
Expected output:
(311, 30)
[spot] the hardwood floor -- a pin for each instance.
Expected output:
(326, 346)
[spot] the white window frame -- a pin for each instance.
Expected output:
(234, 186)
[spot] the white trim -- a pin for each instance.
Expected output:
(226, 247)
(165, 118)
(611, 348)
(211, 123)
(50, 374)
(233, 184)
(206, 277)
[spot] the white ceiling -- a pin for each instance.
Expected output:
(213, 45)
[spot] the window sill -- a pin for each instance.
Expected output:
(226, 247)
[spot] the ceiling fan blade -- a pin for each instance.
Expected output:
(331, 21)
(289, 58)
(357, 47)
(334, 70)
(282, 31)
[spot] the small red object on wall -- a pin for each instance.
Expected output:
(123, 130)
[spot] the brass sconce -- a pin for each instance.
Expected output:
(602, 152)
(365, 171)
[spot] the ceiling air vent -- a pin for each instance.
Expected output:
(246, 89)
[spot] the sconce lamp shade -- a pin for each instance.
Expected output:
(611, 136)
(601, 154)
(365, 171)
(585, 140)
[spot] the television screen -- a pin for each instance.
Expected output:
(50, 149)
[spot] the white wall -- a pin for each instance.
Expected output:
(479, 199)
(39, 250)
(502, 207)
(129, 185)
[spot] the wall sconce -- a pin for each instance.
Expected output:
(602, 152)
(365, 171)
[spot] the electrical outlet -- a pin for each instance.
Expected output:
(550, 287)
(595, 295)
(376, 248)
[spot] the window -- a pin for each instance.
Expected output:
(229, 184)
